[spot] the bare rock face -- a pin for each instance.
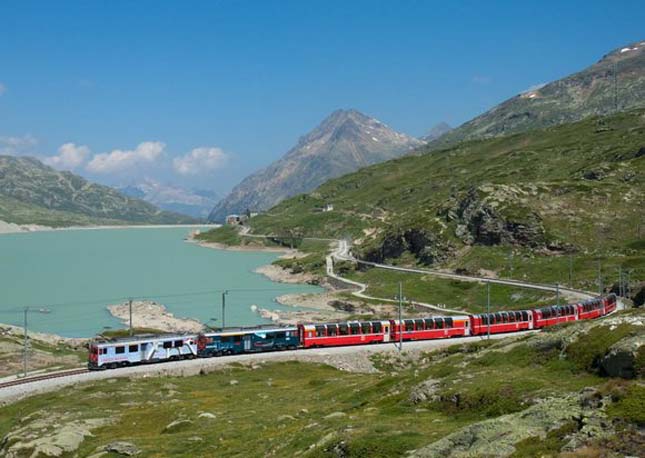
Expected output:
(344, 142)
(122, 448)
(423, 244)
(425, 391)
(493, 215)
(621, 361)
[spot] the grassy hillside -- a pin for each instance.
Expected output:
(524, 205)
(536, 395)
(31, 192)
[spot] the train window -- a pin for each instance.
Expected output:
(342, 330)
(419, 324)
(178, 343)
(237, 338)
(354, 328)
(366, 328)
(320, 331)
(498, 317)
(525, 315)
(449, 323)
(270, 335)
(225, 339)
(409, 325)
(133, 348)
(119, 350)
(429, 323)
(377, 327)
(167, 344)
(280, 335)
(332, 329)
(438, 323)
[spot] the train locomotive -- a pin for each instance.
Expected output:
(121, 352)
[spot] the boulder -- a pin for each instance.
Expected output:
(621, 359)
(208, 415)
(122, 448)
(425, 391)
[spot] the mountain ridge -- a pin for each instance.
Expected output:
(614, 83)
(343, 142)
(34, 193)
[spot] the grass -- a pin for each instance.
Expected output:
(42, 355)
(462, 295)
(314, 410)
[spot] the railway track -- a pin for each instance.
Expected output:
(37, 378)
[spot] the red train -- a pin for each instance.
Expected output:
(366, 332)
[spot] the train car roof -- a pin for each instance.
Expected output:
(250, 330)
(139, 338)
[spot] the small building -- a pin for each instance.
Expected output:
(250, 214)
(328, 207)
(233, 220)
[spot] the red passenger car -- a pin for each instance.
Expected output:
(500, 322)
(431, 328)
(552, 315)
(346, 333)
(593, 308)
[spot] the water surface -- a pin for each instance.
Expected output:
(76, 273)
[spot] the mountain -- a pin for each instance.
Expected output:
(437, 131)
(195, 203)
(577, 188)
(345, 141)
(34, 193)
(615, 83)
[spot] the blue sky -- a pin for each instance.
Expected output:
(225, 87)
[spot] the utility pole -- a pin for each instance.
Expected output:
(224, 293)
(557, 293)
(599, 278)
(488, 306)
(510, 262)
(130, 307)
(24, 354)
(400, 316)
(620, 281)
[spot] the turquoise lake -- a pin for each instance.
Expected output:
(75, 274)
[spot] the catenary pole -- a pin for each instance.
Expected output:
(400, 316)
(224, 308)
(130, 308)
(24, 350)
(488, 306)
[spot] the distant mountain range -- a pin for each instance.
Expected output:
(344, 142)
(34, 193)
(196, 203)
(437, 131)
(615, 83)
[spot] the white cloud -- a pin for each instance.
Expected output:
(17, 145)
(70, 156)
(120, 160)
(200, 160)
(3, 88)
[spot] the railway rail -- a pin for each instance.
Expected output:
(40, 377)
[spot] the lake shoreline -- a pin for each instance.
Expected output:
(14, 228)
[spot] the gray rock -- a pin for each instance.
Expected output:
(177, 426)
(122, 448)
(621, 358)
(207, 415)
(285, 418)
(425, 391)
(233, 382)
(335, 415)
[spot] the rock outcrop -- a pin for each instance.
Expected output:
(621, 360)
(423, 244)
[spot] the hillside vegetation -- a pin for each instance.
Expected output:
(33, 193)
(525, 205)
(564, 390)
